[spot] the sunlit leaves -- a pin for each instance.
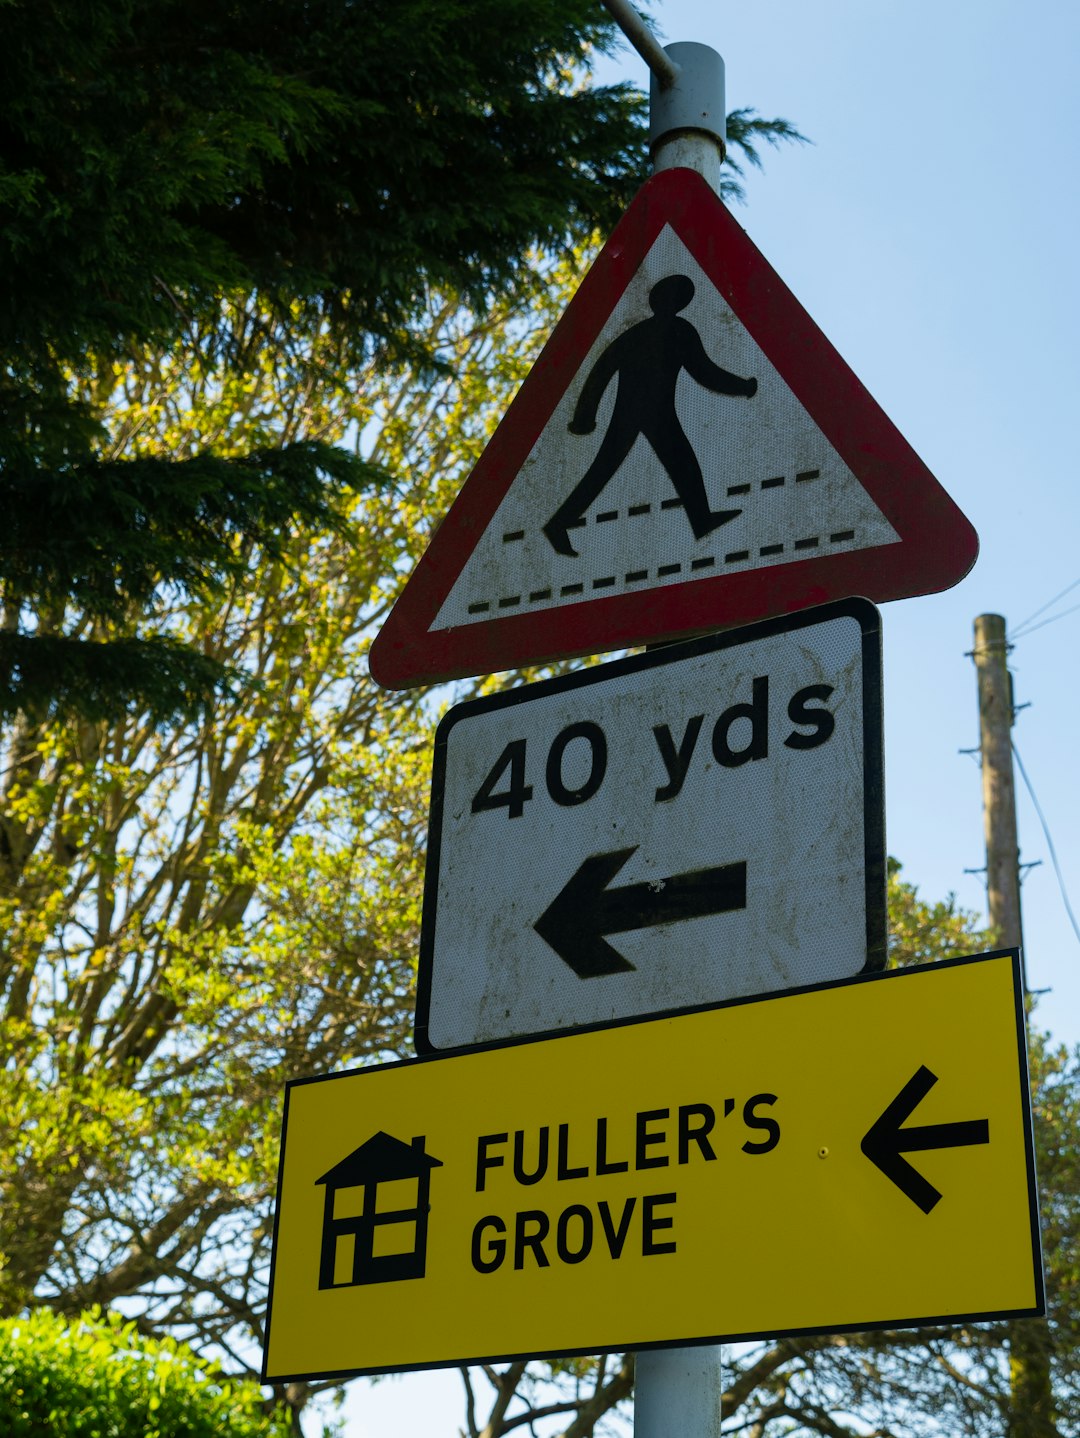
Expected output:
(99, 1376)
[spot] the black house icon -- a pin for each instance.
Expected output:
(375, 1216)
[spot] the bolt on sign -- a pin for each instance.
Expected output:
(688, 453)
(852, 1156)
(698, 823)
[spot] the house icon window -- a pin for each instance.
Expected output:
(375, 1215)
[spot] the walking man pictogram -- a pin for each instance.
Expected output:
(648, 359)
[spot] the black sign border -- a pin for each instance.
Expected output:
(861, 610)
(1038, 1310)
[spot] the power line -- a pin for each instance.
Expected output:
(1017, 632)
(1049, 840)
(1053, 619)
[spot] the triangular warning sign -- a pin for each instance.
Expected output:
(688, 453)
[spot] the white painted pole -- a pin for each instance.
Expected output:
(677, 1390)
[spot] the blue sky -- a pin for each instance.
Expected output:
(931, 231)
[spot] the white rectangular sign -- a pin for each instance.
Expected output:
(695, 824)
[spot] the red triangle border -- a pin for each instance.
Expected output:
(937, 545)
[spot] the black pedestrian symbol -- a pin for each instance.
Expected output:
(648, 359)
(375, 1215)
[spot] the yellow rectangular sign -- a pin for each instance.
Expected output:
(845, 1157)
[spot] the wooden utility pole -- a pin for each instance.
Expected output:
(998, 787)
(1031, 1406)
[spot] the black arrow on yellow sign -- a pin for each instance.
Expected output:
(585, 909)
(886, 1141)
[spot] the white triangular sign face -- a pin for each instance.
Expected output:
(688, 453)
(762, 464)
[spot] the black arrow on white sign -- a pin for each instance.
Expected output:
(585, 910)
(886, 1141)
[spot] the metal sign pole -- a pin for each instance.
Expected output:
(643, 40)
(687, 122)
(677, 1391)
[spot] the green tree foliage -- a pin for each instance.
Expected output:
(192, 914)
(335, 155)
(906, 1383)
(331, 160)
(99, 1378)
